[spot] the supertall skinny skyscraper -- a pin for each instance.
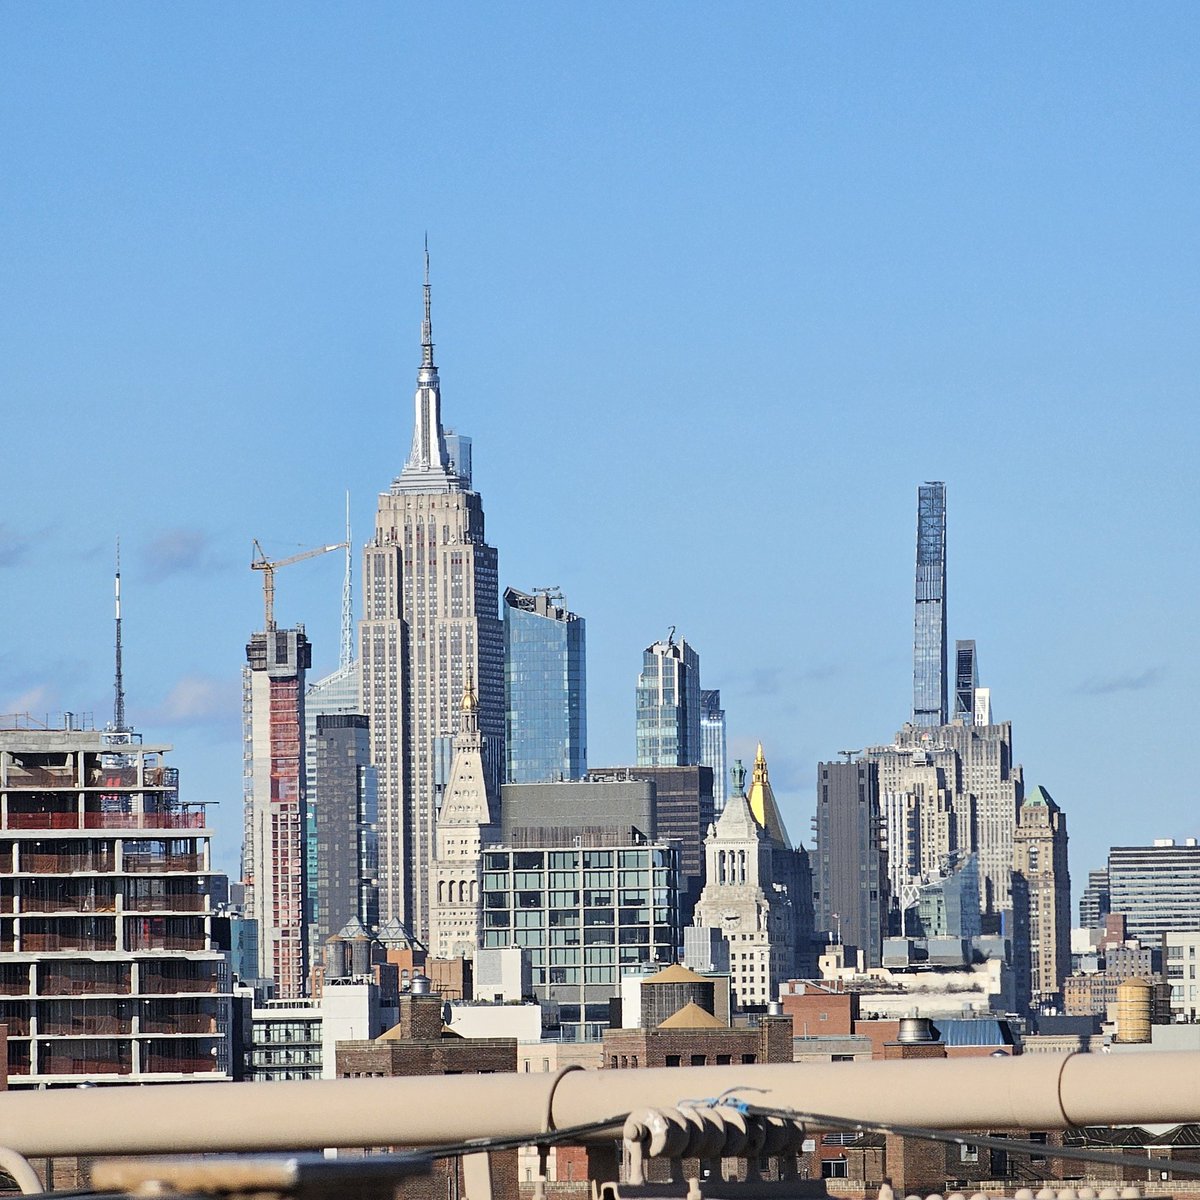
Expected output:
(929, 634)
(430, 630)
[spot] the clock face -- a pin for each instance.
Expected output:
(732, 920)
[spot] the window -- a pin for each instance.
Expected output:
(833, 1168)
(672, 1060)
(698, 1060)
(968, 1154)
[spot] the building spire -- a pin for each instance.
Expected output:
(470, 706)
(119, 682)
(427, 323)
(428, 465)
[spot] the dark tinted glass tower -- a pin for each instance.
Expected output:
(347, 843)
(929, 638)
(545, 689)
(966, 681)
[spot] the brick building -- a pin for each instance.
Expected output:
(418, 1045)
(695, 1038)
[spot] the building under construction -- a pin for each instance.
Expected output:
(110, 969)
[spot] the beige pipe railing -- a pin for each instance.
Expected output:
(1032, 1092)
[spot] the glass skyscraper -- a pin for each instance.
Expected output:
(545, 689)
(668, 705)
(966, 681)
(929, 636)
(712, 742)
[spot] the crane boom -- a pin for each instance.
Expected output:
(268, 567)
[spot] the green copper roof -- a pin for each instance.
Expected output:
(1039, 795)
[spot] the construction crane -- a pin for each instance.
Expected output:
(269, 566)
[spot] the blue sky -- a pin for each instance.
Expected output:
(715, 287)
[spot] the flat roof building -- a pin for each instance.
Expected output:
(112, 968)
(1156, 888)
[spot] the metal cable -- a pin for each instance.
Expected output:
(981, 1141)
(551, 1138)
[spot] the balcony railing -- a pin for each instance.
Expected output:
(160, 983)
(48, 942)
(66, 864)
(146, 820)
(41, 820)
(154, 863)
(194, 1023)
(104, 820)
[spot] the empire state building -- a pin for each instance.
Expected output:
(430, 630)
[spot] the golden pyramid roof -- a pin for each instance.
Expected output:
(692, 1016)
(762, 801)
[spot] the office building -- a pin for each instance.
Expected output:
(684, 808)
(1156, 888)
(712, 743)
(757, 891)
(584, 914)
(958, 786)
(464, 826)
(601, 810)
(668, 705)
(1040, 859)
(927, 823)
(113, 967)
(1094, 904)
(850, 883)
(966, 681)
(274, 864)
(430, 626)
(947, 903)
(336, 694)
(347, 851)
(929, 637)
(545, 689)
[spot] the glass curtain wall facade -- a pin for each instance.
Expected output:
(545, 689)
(929, 636)
(668, 706)
(712, 744)
(584, 915)
(335, 694)
(966, 681)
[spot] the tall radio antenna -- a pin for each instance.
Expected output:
(119, 684)
(347, 653)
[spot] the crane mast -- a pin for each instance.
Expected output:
(268, 566)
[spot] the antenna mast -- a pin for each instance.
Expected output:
(347, 654)
(119, 684)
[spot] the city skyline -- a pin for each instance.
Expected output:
(1032, 333)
